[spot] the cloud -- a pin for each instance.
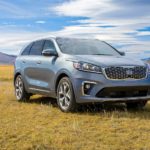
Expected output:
(83, 8)
(124, 19)
(120, 23)
(104, 8)
(24, 9)
(10, 10)
(13, 41)
(40, 22)
(144, 33)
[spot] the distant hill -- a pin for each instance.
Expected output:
(147, 60)
(7, 59)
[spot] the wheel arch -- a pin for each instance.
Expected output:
(15, 76)
(59, 77)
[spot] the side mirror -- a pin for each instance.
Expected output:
(49, 52)
(122, 53)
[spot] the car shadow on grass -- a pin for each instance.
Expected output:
(44, 101)
(119, 109)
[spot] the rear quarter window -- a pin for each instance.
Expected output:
(27, 49)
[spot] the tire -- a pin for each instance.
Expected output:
(20, 92)
(136, 105)
(65, 96)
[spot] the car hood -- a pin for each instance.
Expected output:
(105, 61)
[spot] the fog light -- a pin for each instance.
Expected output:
(87, 87)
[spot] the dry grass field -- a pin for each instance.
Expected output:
(40, 125)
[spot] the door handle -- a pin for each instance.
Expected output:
(39, 62)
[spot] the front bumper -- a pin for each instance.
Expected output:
(89, 99)
(100, 82)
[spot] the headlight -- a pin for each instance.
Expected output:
(82, 66)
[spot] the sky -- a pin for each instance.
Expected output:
(124, 24)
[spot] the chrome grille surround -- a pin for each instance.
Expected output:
(125, 72)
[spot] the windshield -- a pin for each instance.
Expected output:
(85, 47)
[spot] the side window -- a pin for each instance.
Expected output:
(49, 45)
(27, 49)
(37, 48)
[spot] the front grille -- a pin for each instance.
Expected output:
(124, 72)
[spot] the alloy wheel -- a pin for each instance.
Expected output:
(64, 95)
(18, 88)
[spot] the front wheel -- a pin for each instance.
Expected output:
(136, 105)
(20, 91)
(65, 96)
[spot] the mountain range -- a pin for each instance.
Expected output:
(7, 59)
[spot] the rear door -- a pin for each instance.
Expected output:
(32, 65)
(25, 64)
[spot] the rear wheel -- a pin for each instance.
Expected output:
(136, 105)
(65, 96)
(20, 91)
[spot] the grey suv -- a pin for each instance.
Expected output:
(80, 71)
